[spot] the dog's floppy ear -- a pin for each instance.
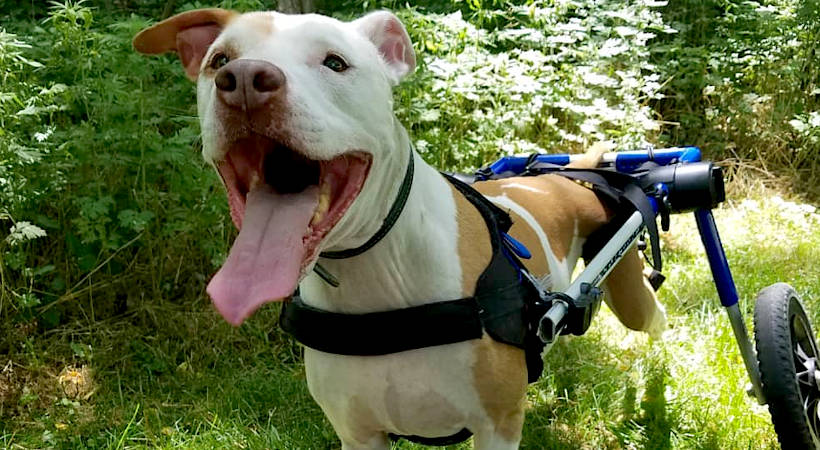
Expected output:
(189, 34)
(389, 36)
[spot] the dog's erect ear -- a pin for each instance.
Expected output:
(389, 36)
(189, 34)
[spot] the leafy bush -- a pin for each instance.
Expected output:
(26, 150)
(96, 156)
(543, 76)
(743, 83)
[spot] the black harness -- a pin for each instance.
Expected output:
(499, 306)
(504, 306)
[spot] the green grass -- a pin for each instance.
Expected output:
(171, 374)
(136, 223)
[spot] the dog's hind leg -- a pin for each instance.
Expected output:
(631, 297)
(628, 293)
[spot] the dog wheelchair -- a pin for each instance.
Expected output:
(783, 368)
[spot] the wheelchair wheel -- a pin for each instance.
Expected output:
(788, 359)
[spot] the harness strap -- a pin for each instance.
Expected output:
(616, 188)
(461, 436)
(635, 195)
(382, 333)
(495, 217)
(499, 307)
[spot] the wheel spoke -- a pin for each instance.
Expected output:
(800, 353)
(812, 414)
(802, 335)
(805, 365)
(805, 378)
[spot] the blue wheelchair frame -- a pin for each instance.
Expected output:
(601, 264)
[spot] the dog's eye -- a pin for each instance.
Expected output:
(219, 60)
(335, 63)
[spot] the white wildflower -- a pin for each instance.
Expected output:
(24, 231)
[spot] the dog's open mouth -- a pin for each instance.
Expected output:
(283, 204)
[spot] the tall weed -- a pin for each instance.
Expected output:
(27, 148)
(99, 156)
(743, 83)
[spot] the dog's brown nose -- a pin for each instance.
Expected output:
(248, 84)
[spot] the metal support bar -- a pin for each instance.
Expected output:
(606, 259)
(592, 276)
(717, 257)
(747, 352)
(550, 324)
(725, 285)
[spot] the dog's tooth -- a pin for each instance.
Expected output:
(254, 181)
(319, 214)
(317, 217)
(324, 203)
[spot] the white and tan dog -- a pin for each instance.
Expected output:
(296, 115)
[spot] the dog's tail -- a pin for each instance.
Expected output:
(593, 155)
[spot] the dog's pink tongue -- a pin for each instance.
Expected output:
(266, 258)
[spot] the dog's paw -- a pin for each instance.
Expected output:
(658, 324)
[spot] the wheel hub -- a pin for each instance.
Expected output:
(810, 375)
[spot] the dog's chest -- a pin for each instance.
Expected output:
(434, 391)
(428, 391)
(419, 392)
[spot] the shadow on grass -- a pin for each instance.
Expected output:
(588, 398)
(245, 386)
(166, 376)
(654, 420)
(655, 417)
(170, 377)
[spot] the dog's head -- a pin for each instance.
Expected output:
(296, 117)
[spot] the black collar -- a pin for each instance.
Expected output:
(389, 221)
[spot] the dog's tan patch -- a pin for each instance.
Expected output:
(555, 203)
(560, 206)
(500, 377)
(523, 232)
(261, 22)
(564, 210)
(500, 372)
(474, 249)
(162, 37)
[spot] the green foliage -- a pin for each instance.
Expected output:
(743, 82)
(97, 146)
(111, 223)
(534, 77)
(26, 147)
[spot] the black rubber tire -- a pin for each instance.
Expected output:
(781, 326)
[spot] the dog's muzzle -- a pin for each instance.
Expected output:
(249, 84)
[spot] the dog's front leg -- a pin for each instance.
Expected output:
(490, 439)
(357, 434)
(378, 441)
